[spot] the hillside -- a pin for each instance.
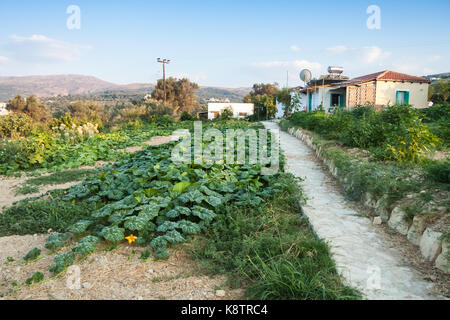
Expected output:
(75, 85)
(54, 85)
(444, 75)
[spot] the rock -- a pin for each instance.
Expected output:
(150, 271)
(369, 200)
(220, 293)
(417, 228)
(443, 261)
(86, 285)
(430, 245)
(397, 221)
(381, 210)
(377, 221)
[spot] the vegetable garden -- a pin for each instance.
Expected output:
(241, 223)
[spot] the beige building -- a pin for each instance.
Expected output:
(3, 110)
(379, 89)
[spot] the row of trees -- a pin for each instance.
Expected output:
(31, 107)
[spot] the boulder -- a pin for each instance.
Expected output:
(443, 261)
(397, 221)
(377, 221)
(430, 245)
(417, 228)
(381, 209)
(369, 201)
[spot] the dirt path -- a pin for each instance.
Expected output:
(118, 274)
(362, 256)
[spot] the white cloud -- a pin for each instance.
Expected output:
(275, 71)
(39, 48)
(295, 48)
(192, 77)
(298, 64)
(413, 67)
(337, 49)
(372, 54)
(434, 58)
(3, 59)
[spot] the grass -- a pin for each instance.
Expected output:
(272, 251)
(32, 185)
(32, 216)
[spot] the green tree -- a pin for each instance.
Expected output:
(84, 112)
(30, 106)
(265, 106)
(440, 92)
(284, 96)
(180, 94)
(263, 96)
(260, 89)
(17, 104)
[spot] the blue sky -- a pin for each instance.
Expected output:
(223, 43)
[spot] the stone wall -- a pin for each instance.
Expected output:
(428, 241)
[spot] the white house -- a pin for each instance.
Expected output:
(240, 110)
(381, 89)
(3, 111)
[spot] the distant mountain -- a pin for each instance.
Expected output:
(43, 86)
(232, 94)
(54, 85)
(444, 75)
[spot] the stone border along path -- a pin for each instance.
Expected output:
(361, 254)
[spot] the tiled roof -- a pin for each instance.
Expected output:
(396, 76)
(383, 75)
(368, 77)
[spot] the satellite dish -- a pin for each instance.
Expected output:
(305, 75)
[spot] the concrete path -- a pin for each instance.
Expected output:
(361, 254)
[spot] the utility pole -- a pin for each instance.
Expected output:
(164, 62)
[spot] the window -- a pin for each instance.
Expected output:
(402, 97)
(242, 114)
(337, 99)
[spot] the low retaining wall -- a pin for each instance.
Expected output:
(431, 246)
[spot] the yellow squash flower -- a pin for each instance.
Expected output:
(131, 239)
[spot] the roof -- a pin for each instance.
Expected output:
(387, 75)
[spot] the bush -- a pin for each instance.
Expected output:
(396, 133)
(164, 121)
(226, 115)
(439, 171)
(15, 125)
(186, 116)
(437, 112)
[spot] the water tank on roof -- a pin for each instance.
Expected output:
(335, 70)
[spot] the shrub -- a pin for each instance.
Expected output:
(439, 171)
(15, 125)
(226, 114)
(164, 121)
(186, 116)
(396, 133)
(437, 112)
